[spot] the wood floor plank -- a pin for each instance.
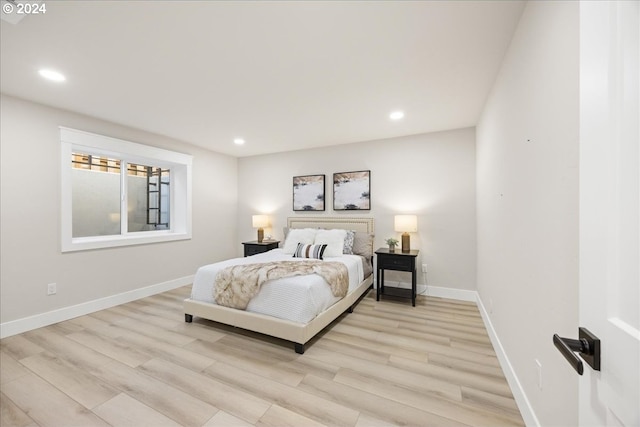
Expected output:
(157, 348)
(10, 368)
(235, 402)
(251, 361)
(65, 328)
(161, 311)
(481, 365)
(448, 326)
(351, 339)
(305, 366)
(19, 347)
(324, 411)
(370, 354)
(387, 373)
(429, 314)
(108, 316)
(78, 384)
(95, 325)
(390, 411)
(12, 416)
(173, 403)
(198, 332)
(414, 344)
(113, 348)
(76, 354)
(123, 410)
(462, 336)
(474, 348)
(408, 333)
(490, 384)
(150, 330)
(389, 317)
(366, 420)
(47, 405)
(487, 400)
(421, 401)
(164, 318)
(222, 419)
(278, 416)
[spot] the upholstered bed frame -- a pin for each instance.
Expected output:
(298, 333)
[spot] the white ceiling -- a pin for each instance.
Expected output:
(282, 75)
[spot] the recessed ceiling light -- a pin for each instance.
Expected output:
(238, 141)
(52, 75)
(396, 115)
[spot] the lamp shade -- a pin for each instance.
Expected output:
(406, 223)
(260, 221)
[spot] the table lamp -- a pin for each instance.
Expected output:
(406, 224)
(259, 222)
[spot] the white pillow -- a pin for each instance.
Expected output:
(334, 239)
(298, 235)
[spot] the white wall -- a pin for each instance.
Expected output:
(30, 207)
(527, 150)
(431, 175)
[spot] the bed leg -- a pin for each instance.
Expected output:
(188, 318)
(299, 348)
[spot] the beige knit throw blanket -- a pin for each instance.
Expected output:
(236, 285)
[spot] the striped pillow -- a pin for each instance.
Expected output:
(309, 251)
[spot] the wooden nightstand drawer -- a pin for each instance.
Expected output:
(252, 248)
(396, 263)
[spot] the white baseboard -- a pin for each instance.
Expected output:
(19, 326)
(458, 294)
(519, 395)
(436, 291)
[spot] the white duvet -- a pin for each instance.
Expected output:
(299, 299)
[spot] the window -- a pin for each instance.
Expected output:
(117, 193)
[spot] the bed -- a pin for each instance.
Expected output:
(269, 312)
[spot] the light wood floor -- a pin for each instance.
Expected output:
(140, 364)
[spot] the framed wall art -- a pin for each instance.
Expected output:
(352, 191)
(308, 193)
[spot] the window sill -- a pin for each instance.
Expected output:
(100, 242)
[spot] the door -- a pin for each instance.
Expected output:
(609, 215)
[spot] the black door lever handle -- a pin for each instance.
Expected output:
(587, 345)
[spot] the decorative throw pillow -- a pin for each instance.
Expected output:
(298, 235)
(309, 251)
(334, 239)
(363, 244)
(348, 242)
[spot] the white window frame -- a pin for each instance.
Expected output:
(180, 164)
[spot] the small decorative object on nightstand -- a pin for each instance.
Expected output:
(255, 247)
(392, 244)
(399, 261)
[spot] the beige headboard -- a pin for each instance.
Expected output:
(364, 225)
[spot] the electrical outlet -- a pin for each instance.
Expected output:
(424, 268)
(539, 367)
(51, 289)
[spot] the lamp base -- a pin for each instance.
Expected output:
(406, 246)
(260, 235)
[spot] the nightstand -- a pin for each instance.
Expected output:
(399, 261)
(255, 247)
